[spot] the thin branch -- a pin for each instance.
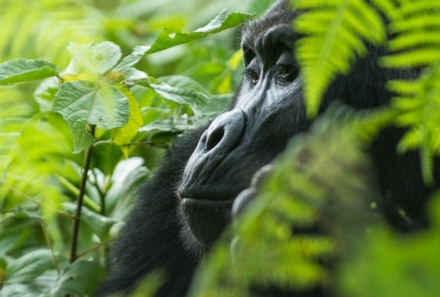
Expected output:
(79, 204)
(49, 243)
(100, 192)
(95, 247)
(146, 143)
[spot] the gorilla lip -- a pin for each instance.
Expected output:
(213, 196)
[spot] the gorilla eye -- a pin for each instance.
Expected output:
(284, 71)
(254, 76)
(288, 72)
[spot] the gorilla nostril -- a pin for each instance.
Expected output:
(214, 138)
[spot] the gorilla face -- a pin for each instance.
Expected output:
(267, 111)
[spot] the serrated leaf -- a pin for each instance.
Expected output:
(125, 134)
(81, 103)
(80, 278)
(169, 37)
(97, 58)
(28, 267)
(179, 95)
(22, 70)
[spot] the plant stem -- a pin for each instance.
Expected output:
(49, 244)
(82, 190)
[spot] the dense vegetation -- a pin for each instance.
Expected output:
(69, 167)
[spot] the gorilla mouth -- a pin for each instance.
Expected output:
(206, 218)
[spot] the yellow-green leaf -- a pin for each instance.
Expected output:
(125, 134)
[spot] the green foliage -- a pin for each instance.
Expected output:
(169, 37)
(101, 104)
(417, 44)
(40, 23)
(408, 262)
(79, 279)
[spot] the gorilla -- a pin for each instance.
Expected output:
(182, 210)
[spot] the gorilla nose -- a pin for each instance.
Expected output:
(217, 143)
(225, 132)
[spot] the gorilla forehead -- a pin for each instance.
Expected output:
(278, 14)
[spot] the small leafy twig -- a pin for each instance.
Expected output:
(87, 200)
(82, 189)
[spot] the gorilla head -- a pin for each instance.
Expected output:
(267, 111)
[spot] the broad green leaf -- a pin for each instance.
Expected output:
(28, 267)
(82, 103)
(179, 95)
(169, 38)
(169, 125)
(125, 134)
(126, 178)
(15, 229)
(99, 224)
(96, 58)
(22, 70)
(80, 278)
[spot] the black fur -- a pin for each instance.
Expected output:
(151, 240)
(170, 227)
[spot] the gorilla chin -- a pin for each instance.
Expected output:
(206, 218)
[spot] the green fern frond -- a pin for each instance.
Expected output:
(336, 32)
(42, 28)
(414, 39)
(419, 106)
(417, 41)
(417, 44)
